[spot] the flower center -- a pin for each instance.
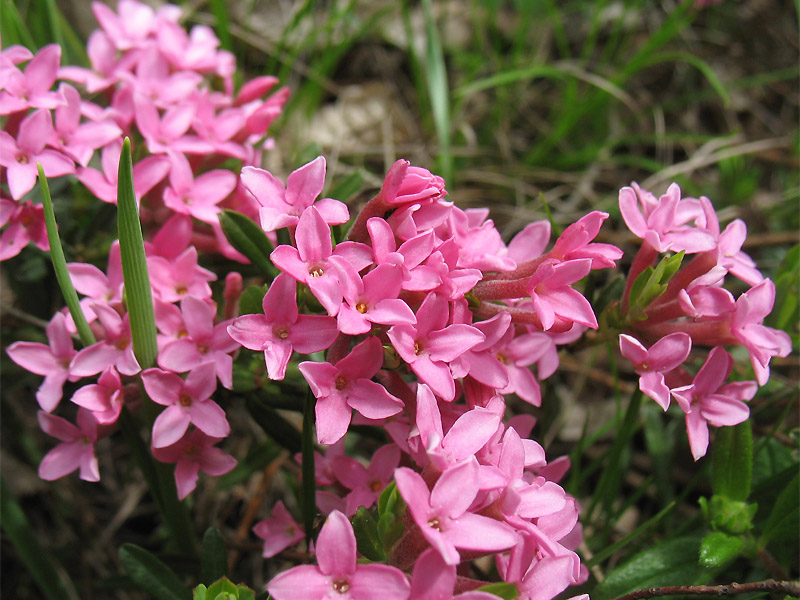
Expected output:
(281, 333)
(181, 290)
(22, 159)
(341, 586)
(185, 400)
(203, 348)
(434, 522)
(190, 450)
(316, 271)
(376, 486)
(502, 358)
(121, 343)
(361, 307)
(341, 382)
(418, 348)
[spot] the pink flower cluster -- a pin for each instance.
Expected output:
(160, 85)
(696, 310)
(428, 319)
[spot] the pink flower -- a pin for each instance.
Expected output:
(279, 531)
(116, 349)
(76, 450)
(553, 298)
(366, 483)
(206, 342)
(576, 242)
(199, 196)
(373, 299)
(93, 283)
(709, 400)
(347, 386)
(20, 156)
(281, 330)
(337, 574)
(146, 174)
(751, 308)
(31, 88)
(25, 223)
(188, 402)
(666, 354)
(405, 184)
(52, 361)
(428, 346)
(79, 141)
(443, 516)
(192, 453)
(434, 579)
(665, 223)
(104, 398)
(282, 206)
(309, 263)
(181, 276)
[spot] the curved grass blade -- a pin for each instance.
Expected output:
(438, 89)
(60, 264)
(249, 239)
(134, 265)
(152, 575)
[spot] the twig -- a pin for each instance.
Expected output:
(792, 588)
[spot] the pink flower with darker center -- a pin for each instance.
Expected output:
(337, 574)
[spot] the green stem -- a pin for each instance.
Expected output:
(60, 264)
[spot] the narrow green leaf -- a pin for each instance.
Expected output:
(719, 548)
(134, 265)
(249, 239)
(256, 461)
(698, 63)
(152, 575)
(273, 424)
(200, 592)
(438, 90)
(38, 561)
(368, 542)
(222, 29)
(60, 264)
(251, 302)
(784, 520)
(507, 591)
(214, 559)
(673, 562)
(732, 462)
(309, 496)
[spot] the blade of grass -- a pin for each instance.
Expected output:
(13, 28)
(60, 264)
(611, 477)
(705, 69)
(134, 265)
(438, 90)
(220, 10)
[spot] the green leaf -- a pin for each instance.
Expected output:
(784, 520)
(273, 424)
(673, 562)
(719, 548)
(368, 542)
(199, 593)
(223, 589)
(213, 555)
(507, 591)
(732, 462)
(134, 265)
(249, 239)
(152, 575)
(731, 516)
(785, 314)
(251, 302)
(16, 528)
(438, 90)
(60, 264)
(391, 509)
